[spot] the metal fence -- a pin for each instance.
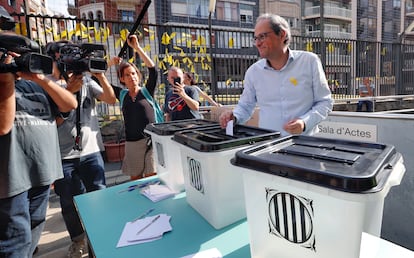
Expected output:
(219, 57)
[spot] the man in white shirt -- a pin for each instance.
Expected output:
(288, 86)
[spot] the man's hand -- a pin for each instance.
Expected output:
(225, 117)
(114, 61)
(133, 42)
(178, 89)
(295, 126)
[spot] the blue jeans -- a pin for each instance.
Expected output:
(81, 175)
(367, 103)
(22, 219)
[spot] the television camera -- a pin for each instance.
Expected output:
(78, 58)
(30, 59)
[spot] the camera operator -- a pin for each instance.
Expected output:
(29, 155)
(80, 144)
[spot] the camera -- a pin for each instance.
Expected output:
(177, 80)
(75, 58)
(30, 59)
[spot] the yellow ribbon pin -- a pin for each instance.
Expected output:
(293, 81)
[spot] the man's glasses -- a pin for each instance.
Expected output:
(261, 37)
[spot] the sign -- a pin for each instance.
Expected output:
(347, 131)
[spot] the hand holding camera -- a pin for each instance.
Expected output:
(177, 87)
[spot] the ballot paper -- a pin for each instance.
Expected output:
(145, 230)
(229, 127)
(157, 192)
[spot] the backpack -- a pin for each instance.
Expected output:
(158, 114)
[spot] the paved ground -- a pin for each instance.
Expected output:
(55, 240)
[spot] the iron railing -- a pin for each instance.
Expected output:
(227, 53)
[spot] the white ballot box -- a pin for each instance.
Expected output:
(166, 152)
(212, 186)
(313, 197)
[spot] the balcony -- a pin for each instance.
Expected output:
(125, 2)
(329, 12)
(409, 11)
(330, 34)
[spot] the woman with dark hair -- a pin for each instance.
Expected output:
(189, 81)
(138, 112)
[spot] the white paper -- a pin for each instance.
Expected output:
(157, 192)
(153, 232)
(229, 128)
(210, 253)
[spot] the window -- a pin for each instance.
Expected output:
(99, 17)
(246, 13)
(12, 3)
(226, 11)
(127, 16)
(198, 8)
(292, 22)
(90, 17)
(408, 4)
(192, 8)
(396, 4)
(246, 18)
(179, 8)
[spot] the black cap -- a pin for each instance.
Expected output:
(6, 21)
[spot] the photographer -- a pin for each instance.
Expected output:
(80, 141)
(29, 154)
(181, 101)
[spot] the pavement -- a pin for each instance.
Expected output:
(55, 240)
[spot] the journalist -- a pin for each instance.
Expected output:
(29, 153)
(80, 138)
(181, 101)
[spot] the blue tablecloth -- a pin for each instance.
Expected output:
(104, 214)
